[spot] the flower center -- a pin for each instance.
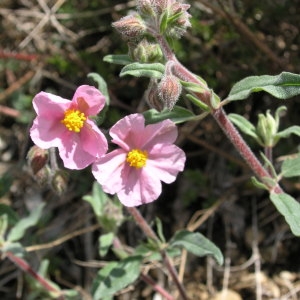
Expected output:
(137, 158)
(74, 119)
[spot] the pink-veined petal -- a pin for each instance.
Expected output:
(93, 140)
(109, 171)
(164, 132)
(73, 154)
(140, 188)
(165, 162)
(50, 106)
(89, 100)
(47, 133)
(128, 131)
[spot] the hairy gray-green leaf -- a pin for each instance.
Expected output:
(97, 199)
(115, 276)
(177, 115)
(102, 86)
(282, 86)
(154, 70)
(291, 167)
(197, 244)
(244, 125)
(289, 208)
(105, 241)
(18, 231)
(288, 131)
(119, 59)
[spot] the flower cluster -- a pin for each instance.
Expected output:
(134, 171)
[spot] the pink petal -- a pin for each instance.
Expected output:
(89, 100)
(164, 132)
(50, 106)
(141, 187)
(128, 131)
(73, 154)
(165, 162)
(92, 139)
(47, 133)
(109, 171)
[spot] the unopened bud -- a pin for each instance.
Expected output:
(169, 90)
(131, 26)
(37, 158)
(145, 7)
(267, 128)
(160, 5)
(42, 177)
(146, 52)
(60, 182)
(152, 96)
(178, 19)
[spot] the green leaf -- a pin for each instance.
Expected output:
(194, 87)
(282, 86)
(154, 70)
(102, 86)
(197, 244)
(105, 241)
(291, 167)
(177, 115)
(288, 131)
(18, 231)
(289, 208)
(3, 227)
(97, 200)
(16, 248)
(160, 230)
(115, 276)
(119, 59)
(244, 125)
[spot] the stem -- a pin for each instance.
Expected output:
(241, 146)
(219, 115)
(157, 287)
(22, 264)
(139, 219)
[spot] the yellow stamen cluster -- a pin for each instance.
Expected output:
(137, 158)
(74, 119)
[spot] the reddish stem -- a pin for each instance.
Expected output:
(139, 219)
(22, 264)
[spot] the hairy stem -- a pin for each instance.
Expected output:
(23, 265)
(142, 223)
(219, 115)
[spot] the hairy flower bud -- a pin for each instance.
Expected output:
(146, 52)
(59, 182)
(152, 97)
(169, 90)
(178, 19)
(131, 26)
(145, 7)
(37, 158)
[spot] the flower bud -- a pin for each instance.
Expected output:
(169, 90)
(37, 158)
(60, 182)
(146, 52)
(131, 26)
(178, 19)
(267, 128)
(145, 7)
(152, 96)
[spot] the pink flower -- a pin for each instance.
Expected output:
(65, 124)
(146, 157)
